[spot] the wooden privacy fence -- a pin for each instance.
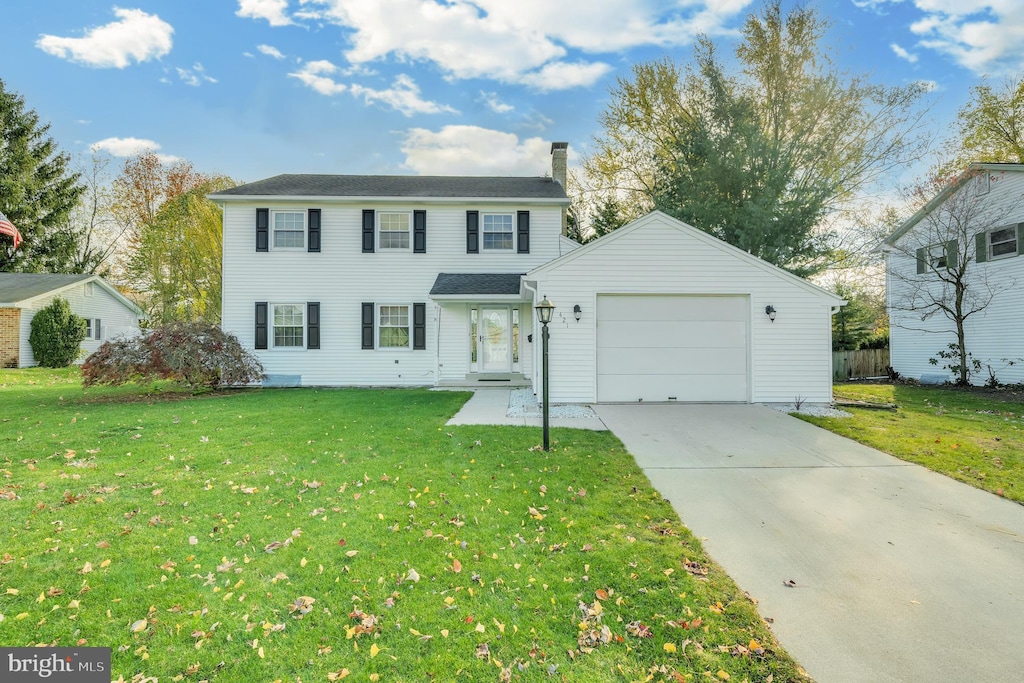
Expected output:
(855, 364)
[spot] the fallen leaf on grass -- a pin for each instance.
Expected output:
(337, 675)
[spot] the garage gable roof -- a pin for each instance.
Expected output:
(659, 217)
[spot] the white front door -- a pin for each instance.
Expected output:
(495, 338)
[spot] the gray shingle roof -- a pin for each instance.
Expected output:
(308, 185)
(15, 287)
(476, 283)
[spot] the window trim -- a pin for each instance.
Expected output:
(511, 216)
(272, 326)
(93, 329)
(992, 256)
(378, 231)
(273, 230)
(408, 326)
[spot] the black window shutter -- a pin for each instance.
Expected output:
(952, 255)
(1020, 239)
(314, 230)
(262, 229)
(313, 325)
(368, 236)
(419, 326)
(419, 232)
(99, 329)
(523, 224)
(261, 324)
(981, 247)
(922, 261)
(368, 325)
(472, 232)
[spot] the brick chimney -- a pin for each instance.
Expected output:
(559, 161)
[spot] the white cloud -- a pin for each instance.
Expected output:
(903, 54)
(985, 36)
(126, 147)
(271, 10)
(471, 150)
(317, 75)
(563, 75)
(195, 76)
(270, 51)
(494, 103)
(403, 96)
(135, 36)
(516, 42)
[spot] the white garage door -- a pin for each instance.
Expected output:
(667, 347)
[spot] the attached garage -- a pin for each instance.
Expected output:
(668, 313)
(663, 347)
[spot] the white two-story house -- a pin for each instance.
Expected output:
(973, 231)
(425, 281)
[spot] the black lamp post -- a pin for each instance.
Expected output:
(544, 311)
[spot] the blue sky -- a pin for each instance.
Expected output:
(252, 88)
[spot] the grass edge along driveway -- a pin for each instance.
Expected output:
(972, 435)
(311, 535)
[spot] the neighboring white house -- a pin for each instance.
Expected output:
(977, 222)
(106, 311)
(421, 281)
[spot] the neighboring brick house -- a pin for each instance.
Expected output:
(106, 311)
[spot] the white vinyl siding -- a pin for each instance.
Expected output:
(341, 277)
(789, 358)
(288, 229)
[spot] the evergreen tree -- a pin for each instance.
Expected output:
(37, 191)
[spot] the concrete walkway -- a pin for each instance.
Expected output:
(490, 406)
(900, 574)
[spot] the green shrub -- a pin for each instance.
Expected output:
(193, 354)
(56, 335)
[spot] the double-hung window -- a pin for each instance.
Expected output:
(497, 231)
(393, 327)
(1002, 243)
(288, 322)
(289, 229)
(394, 230)
(93, 328)
(937, 256)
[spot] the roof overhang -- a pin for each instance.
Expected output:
(496, 287)
(403, 199)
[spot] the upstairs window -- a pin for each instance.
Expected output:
(394, 230)
(289, 229)
(497, 231)
(982, 183)
(937, 257)
(1002, 243)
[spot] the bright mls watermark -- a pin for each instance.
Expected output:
(55, 664)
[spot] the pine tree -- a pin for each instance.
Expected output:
(37, 191)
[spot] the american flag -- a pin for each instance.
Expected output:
(7, 228)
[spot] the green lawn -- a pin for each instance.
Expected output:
(974, 436)
(312, 535)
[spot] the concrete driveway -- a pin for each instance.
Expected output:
(900, 574)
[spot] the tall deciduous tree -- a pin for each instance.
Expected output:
(94, 227)
(177, 262)
(145, 183)
(758, 156)
(37, 190)
(992, 124)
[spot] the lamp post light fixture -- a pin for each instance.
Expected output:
(545, 309)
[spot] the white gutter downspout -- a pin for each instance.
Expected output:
(534, 363)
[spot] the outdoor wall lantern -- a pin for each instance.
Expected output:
(545, 309)
(769, 310)
(577, 311)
